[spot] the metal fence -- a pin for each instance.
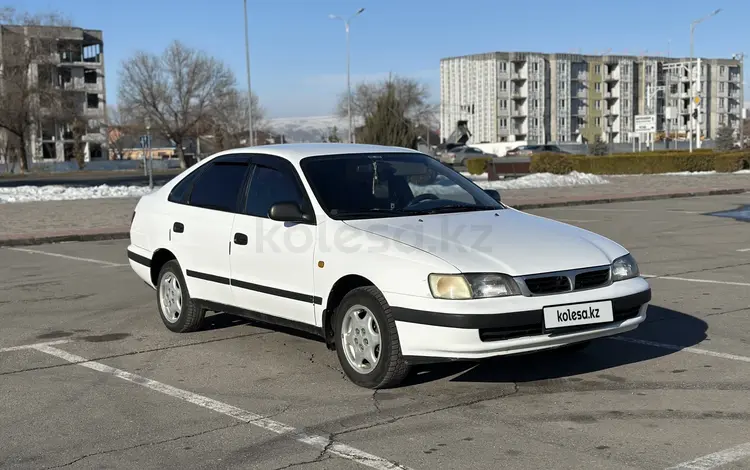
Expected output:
(94, 165)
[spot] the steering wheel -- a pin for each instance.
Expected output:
(422, 197)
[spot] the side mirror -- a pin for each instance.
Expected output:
(287, 212)
(493, 193)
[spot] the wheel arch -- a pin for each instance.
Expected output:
(339, 289)
(158, 260)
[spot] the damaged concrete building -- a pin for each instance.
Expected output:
(74, 69)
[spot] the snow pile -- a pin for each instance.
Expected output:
(544, 180)
(65, 193)
(446, 188)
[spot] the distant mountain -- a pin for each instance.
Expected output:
(309, 129)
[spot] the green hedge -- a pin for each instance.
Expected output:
(639, 163)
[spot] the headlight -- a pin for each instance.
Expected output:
(472, 286)
(624, 267)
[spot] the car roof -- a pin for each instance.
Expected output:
(296, 152)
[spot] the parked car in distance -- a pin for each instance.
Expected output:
(389, 256)
(528, 150)
(459, 155)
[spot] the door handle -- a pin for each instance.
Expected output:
(240, 239)
(178, 227)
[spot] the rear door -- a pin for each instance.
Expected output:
(202, 215)
(271, 261)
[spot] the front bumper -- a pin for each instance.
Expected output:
(428, 336)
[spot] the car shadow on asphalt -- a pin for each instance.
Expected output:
(217, 321)
(662, 325)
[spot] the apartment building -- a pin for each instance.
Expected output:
(537, 97)
(71, 65)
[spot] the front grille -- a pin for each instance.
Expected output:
(547, 284)
(590, 279)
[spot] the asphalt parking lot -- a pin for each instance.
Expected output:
(90, 377)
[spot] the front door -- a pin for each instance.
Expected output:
(272, 262)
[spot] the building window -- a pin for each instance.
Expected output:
(503, 123)
(649, 69)
(626, 103)
(562, 67)
(598, 87)
(92, 100)
(721, 86)
(625, 87)
(597, 69)
(722, 70)
(503, 66)
(625, 121)
(562, 86)
(598, 104)
(561, 122)
(535, 66)
(598, 122)
(503, 104)
(503, 85)
(535, 86)
(626, 69)
(721, 103)
(536, 122)
(536, 104)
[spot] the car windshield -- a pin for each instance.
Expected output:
(357, 186)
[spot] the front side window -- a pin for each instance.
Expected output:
(271, 186)
(219, 186)
(391, 185)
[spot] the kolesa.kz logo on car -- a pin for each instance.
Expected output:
(572, 315)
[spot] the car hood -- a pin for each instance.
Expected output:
(507, 241)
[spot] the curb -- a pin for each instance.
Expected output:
(64, 237)
(643, 197)
(119, 234)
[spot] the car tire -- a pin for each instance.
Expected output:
(190, 316)
(391, 368)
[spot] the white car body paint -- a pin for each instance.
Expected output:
(396, 254)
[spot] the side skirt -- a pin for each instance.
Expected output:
(262, 317)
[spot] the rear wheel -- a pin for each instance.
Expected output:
(367, 342)
(178, 311)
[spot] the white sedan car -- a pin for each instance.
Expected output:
(389, 256)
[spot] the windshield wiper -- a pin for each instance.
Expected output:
(455, 208)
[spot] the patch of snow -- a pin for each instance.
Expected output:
(742, 172)
(688, 173)
(545, 180)
(66, 193)
(444, 187)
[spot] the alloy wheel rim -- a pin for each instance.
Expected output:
(361, 338)
(170, 297)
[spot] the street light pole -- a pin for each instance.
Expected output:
(692, 88)
(348, 68)
(150, 161)
(251, 140)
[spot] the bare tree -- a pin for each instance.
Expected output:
(121, 124)
(28, 90)
(176, 91)
(412, 95)
(229, 119)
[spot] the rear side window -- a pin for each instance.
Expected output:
(219, 186)
(181, 191)
(270, 186)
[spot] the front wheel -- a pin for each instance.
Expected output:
(367, 342)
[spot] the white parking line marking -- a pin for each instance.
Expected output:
(717, 459)
(76, 258)
(744, 250)
(703, 281)
(674, 347)
(319, 442)
(34, 346)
